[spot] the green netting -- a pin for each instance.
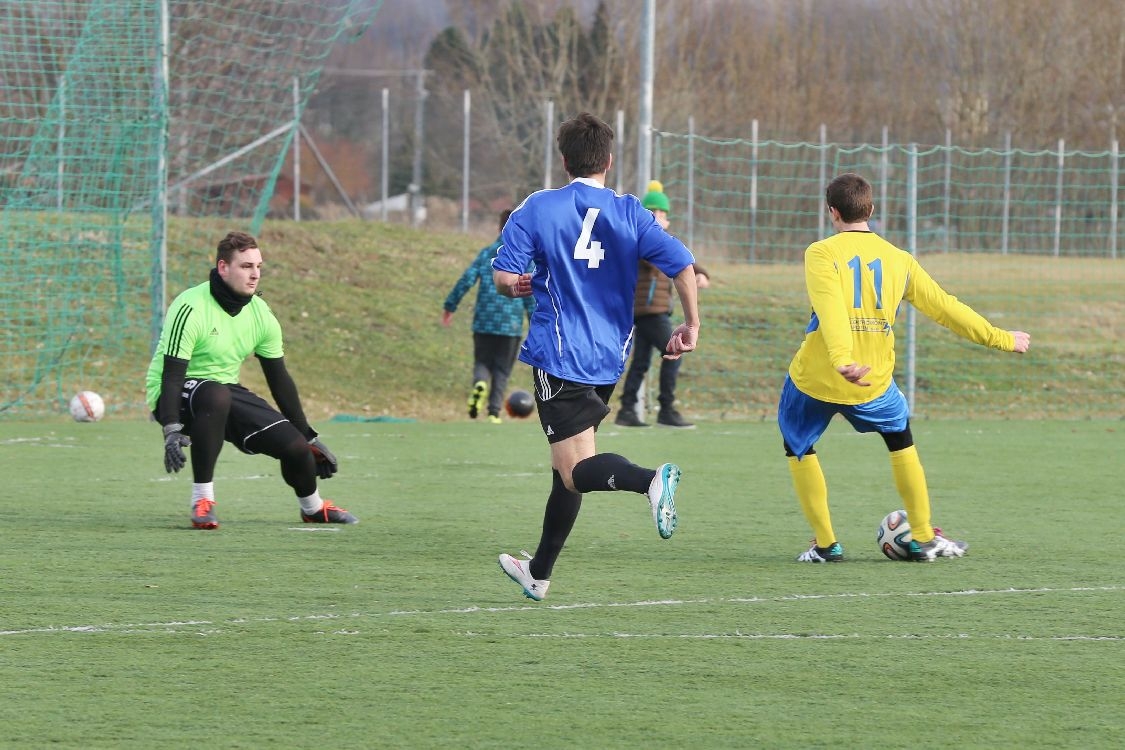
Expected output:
(112, 113)
(1032, 240)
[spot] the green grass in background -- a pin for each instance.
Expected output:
(360, 305)
(121, 627)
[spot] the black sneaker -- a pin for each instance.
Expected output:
(329, 514)
(672, 418)
(627, 417)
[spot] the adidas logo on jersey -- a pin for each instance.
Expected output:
(214, 331)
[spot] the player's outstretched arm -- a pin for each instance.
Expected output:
(1023, 341)
(686, 335)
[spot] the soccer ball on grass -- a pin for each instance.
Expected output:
(87, 406)
(519, 404)
(894, 536)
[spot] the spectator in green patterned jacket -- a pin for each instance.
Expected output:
(497, 330)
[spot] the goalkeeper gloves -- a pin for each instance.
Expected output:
(174, 443)
(326, 464)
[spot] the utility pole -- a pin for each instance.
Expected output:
(644, 119)
(416, 173)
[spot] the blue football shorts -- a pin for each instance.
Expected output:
(803, 419)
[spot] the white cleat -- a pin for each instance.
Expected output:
(520, 572)
(937, 547)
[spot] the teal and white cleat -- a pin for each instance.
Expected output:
(661, 496)
(832, 553)
(937, 547)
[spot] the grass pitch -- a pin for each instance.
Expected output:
(121, 627)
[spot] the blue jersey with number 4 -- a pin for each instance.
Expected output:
(585, 241)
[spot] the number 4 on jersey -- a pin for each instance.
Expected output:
(584, 249)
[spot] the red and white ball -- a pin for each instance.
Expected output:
(87, 406)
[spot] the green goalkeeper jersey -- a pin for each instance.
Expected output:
(214, 343)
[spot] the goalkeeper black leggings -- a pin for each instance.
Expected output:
(214, 419)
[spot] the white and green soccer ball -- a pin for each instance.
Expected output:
(87, 406)
(894, 536)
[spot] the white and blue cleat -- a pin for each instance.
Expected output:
(662, 498)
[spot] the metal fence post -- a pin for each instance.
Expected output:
(1007, 212)
(884, 175)
(947, 187)
(1113, 184)
(691, 182)
(384, 179)
(296, 149)
(619, 156)
(467, 108)
(912, 248)
(1059, 198)
(419, 148)
(754, 189)
(548, 119)
(644, 107)
(60, 140)
(823, 179)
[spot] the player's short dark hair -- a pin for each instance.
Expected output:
(585, 143)
(851, 195)
(504, 216)
(234, 242)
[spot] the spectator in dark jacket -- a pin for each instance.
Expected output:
(652, 327)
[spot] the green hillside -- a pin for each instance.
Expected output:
(360, 303)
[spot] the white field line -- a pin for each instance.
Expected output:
(208, 627)
(739, 635)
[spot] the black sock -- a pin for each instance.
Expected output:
(606, 472)
(558, 520)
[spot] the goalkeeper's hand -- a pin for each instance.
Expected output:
(174, 443)
(326, 463)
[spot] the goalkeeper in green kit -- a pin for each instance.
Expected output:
(193, 391)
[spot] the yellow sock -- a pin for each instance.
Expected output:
(910, 479)
(812, 493)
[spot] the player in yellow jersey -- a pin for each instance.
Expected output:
(856, 281)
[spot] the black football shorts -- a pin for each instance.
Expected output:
(567, 409)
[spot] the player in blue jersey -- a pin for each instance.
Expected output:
(586, 242)
(193, 390)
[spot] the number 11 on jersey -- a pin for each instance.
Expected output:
(584, 249)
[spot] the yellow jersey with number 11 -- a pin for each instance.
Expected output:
(856, 281)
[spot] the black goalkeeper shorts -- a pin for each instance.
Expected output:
(250, 414)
